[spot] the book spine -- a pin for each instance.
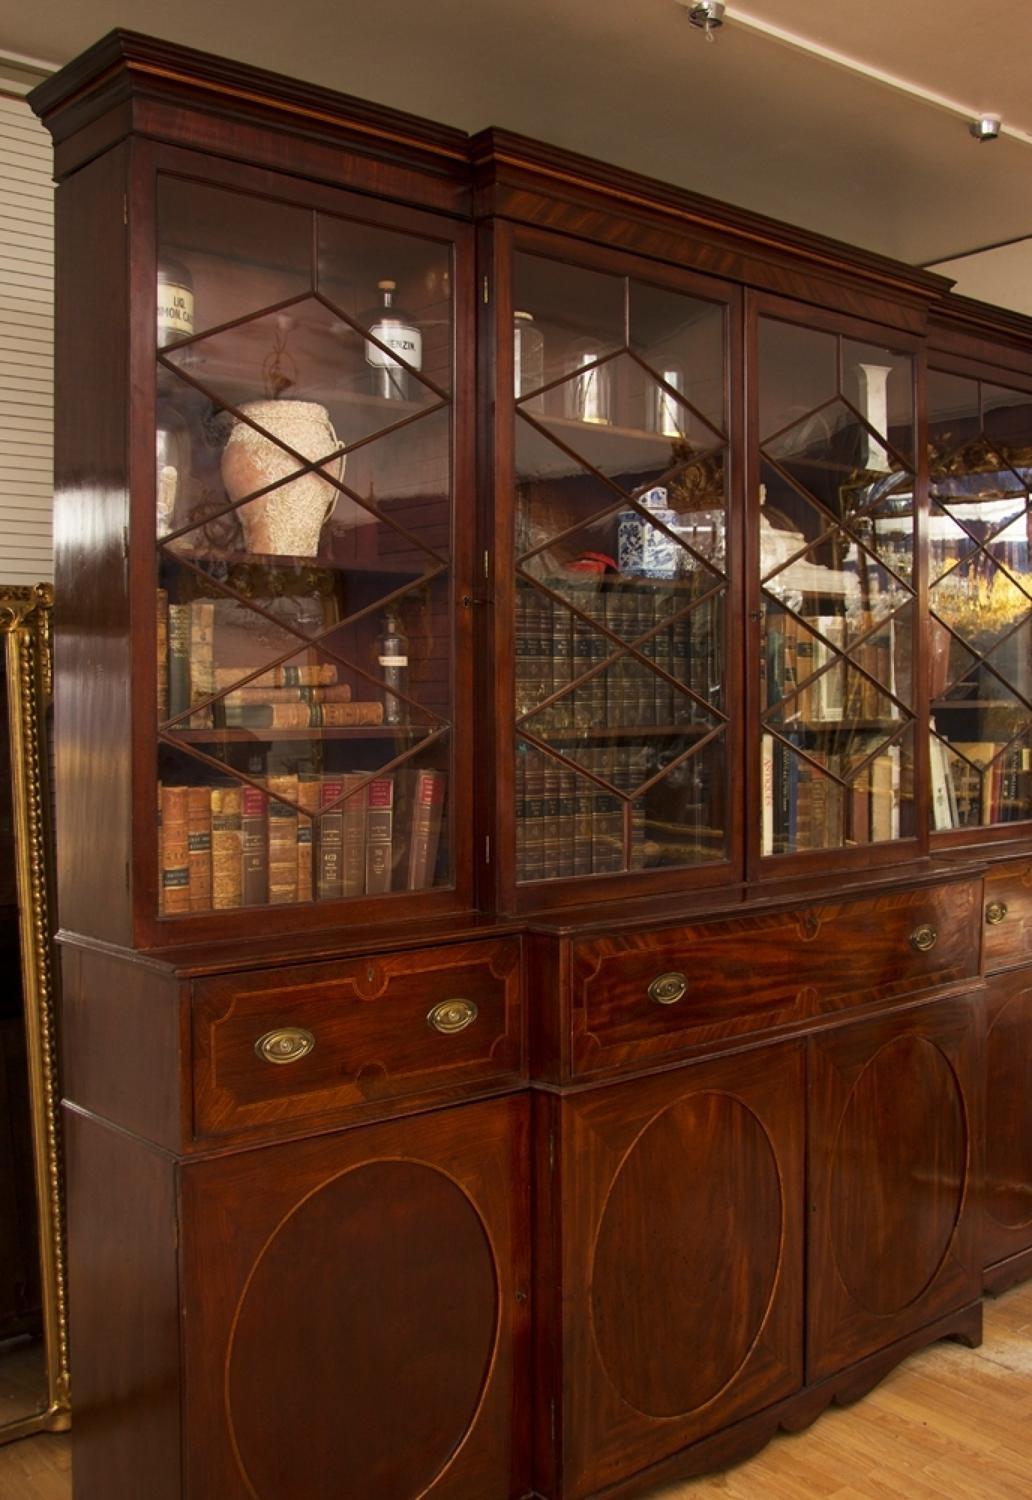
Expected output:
(226, 848)
(353, 836)
(175, 850)
(309, 791)
(266, 697)
(283, 831)
(427, 811)
(202, 659)
(178, 659)
(303, 715)
(199, 834)
(379, 835)
(520, 812)
(254, 835)
(550, 820)
(329, 880)
(567, 804)
(533, 802)
(162, 654)
(319, 674)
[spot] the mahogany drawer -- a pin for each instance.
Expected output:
(641, 997)
(1007, 929)
(271, 1047)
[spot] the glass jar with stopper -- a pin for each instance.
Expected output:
(397, 338)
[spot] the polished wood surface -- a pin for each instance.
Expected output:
(1008, 1116)
(1008, 901)
(759, 973)
(373, 1037)
(370, 1291)
(123, 1231)
(948, 1421)
(674, 1332)
(894, 1163)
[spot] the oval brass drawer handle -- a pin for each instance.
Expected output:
(995, 913)
(288, 1044)
(667, 989)
(924, 938)
(451, 1016)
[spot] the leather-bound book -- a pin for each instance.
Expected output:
(226, 841)
(178, 659)
(175, 850)
(309, 792)
(427, 810)
(254, 845)
(199, 832)
(379, 833)
(282, 839)
(354, 836)
(162, 654)
(329, 866)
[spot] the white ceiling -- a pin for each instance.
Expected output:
(750, 118)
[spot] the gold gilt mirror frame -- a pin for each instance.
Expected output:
(25, 623)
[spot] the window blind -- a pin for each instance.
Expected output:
(26, 345)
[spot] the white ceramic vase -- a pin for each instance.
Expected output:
(288, 520)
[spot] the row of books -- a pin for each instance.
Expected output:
(554, 648)
(303, 837)
(568, 825)
(304, 696)
(804, 809)
(976, 783)
(794, 652)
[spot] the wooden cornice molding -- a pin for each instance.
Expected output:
(967, 315)
(125, 65)
(502, 159)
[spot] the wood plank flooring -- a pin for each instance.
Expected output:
(949, 1424)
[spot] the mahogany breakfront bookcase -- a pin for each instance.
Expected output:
(544, 803)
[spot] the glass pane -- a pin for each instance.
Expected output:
(868, 797)
(621, 504)
(682, 342)
(981, 588)
(878, 382)
(798, 373)
(581, 315)
(681, 818)
(304, 600)
(225, 255)
(358, 265)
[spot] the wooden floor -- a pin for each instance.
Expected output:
(949, 1424)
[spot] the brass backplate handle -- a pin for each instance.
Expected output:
(995, 913)
(667, 989)
(924, 938)
(288, 1044)
(451, 1016)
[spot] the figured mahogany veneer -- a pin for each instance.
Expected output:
(370, 1020)
(761, 972)
(360, 1312)
(895, 1118)
(1008, 915)
(1008, 1118)
(681, 1264)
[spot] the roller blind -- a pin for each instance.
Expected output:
(26, 345)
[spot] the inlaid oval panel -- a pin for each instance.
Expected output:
(1009, 1114)
(898, 1179)
(687, 1255)
(363, 1338)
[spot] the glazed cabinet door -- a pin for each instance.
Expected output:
(675, 1296)
(307, 394)
(894, 1161)
(355, 1313)
(835, 457)
(616, 565)
(1008, 1128)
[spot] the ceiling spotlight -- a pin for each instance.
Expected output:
(985, 128)
(707, 15)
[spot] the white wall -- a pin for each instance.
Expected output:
(26, 342)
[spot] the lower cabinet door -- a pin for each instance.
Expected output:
(677, 1202)
(355, 1313)
(1008, 1116)
(895, 1131)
